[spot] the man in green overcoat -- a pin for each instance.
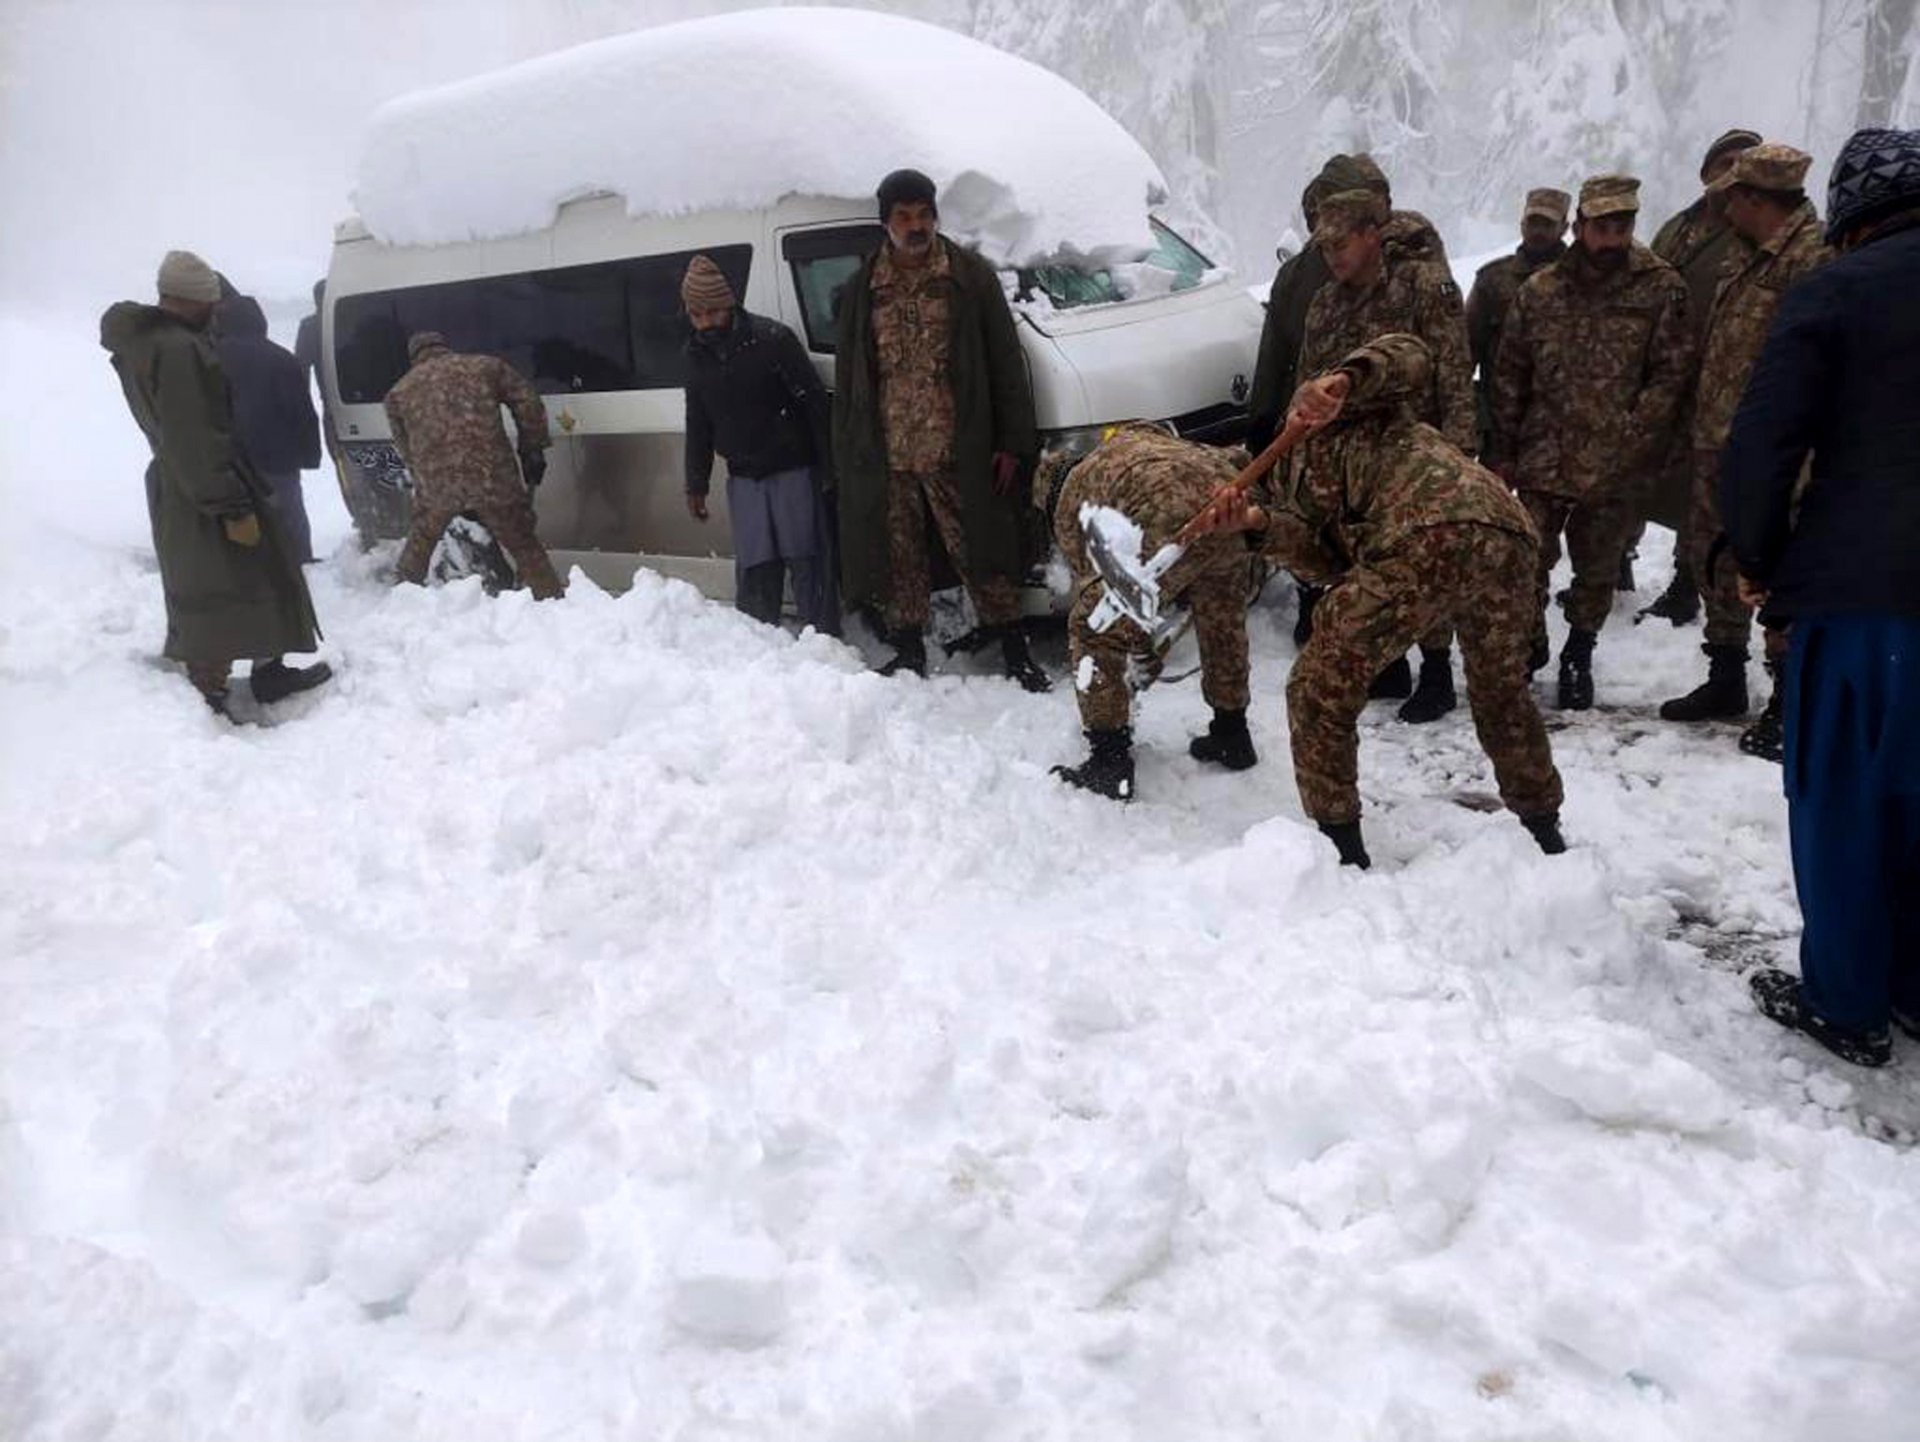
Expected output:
(932, 419)
(232, 585)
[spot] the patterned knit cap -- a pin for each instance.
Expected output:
(705, 288)
(1877, 174)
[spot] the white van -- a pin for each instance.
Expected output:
(588, 308)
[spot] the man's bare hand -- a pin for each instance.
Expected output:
(1752, 594)
(696, 506)
(1319, 401)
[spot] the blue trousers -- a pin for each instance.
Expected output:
(1852, 714)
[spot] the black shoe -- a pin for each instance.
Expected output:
(1624, 581)
(1908, 1022)
(1576, 672)
(1434, 696)
(1545, 829)
(1767, 737)
(1679, 603)
(1226, 742)
(1781, 998)
(1345, 836)
(1721, 697)
(1539, 653)
(909, 654)
(275, 680)
(1108, 769)
(1303, 618)
(1393, 684)
(1017, 661)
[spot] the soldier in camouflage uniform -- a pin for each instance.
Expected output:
(1543, 227)
(1587, 386)
(1695, 242)
(1767, 207)
(1414, 534)
(445, 416)
(1159, 483)
(1391, 277)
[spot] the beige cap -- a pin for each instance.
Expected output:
(1345, 210)
(1552, 204)
(1766, 167)
(1609, 195)
(184, 276)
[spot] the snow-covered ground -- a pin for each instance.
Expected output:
(614, 1019)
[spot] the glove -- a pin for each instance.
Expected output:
(242, 530)
(533, 465)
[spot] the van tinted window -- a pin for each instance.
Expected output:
(822, 262)
(613, 326)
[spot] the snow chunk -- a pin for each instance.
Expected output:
(731, 1289)
(1618, 1078)
(736, 111)
(1127, 1234)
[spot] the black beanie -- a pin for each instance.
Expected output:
(905, 187)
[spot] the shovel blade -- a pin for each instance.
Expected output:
(1132, 587)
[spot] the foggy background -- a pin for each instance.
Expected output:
(232, 127)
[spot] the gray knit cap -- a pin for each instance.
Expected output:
(184, 276)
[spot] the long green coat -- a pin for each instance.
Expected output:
(225, 602)
(993, 411)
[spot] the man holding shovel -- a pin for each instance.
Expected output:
(1413, 535)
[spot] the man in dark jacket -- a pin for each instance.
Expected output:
(232, 585)
(1543, 229)
(1836, 381)
(753, 396)
(932, 417)
(273, 418)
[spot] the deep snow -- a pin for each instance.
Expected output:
(615, 1019)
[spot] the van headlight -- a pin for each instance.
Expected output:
(1075, 443)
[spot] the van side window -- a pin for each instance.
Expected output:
(822, 262)
(612, 326)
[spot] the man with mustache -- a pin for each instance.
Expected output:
(1587, 386)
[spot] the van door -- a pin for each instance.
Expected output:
(815, 262)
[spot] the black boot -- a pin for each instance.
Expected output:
(1680, 602)
(1433, 697)
(1393, 684)
(1108, 769)
(1017, 661)
(1303, 618)
(1721, 697)
(1345, 836)
(1624, 581)
(909, 654)
(1576, 672)
(1545, 829)
(1226, 742)
(1781, 998)
(275, 680)
(1539, 653)
(1767, 737)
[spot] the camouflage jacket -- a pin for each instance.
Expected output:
(1159, 483)
(1751, 284)
(1414, 295)
(912, 336)
(445, 415)
(1591, 374)
(1696, 242)
(1378, 474)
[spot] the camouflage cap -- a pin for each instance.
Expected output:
(1733, 140)
(1609, 195)
(1345, 211)
(1766, 167)
(422, 341)
(1352, 172)
(1553, 204)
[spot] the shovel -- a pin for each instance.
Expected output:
(1131, 586)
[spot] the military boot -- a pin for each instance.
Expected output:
(1722, 697)
(1345, 836)
(275, 680)
(1679, 603)
(1017, 661)
(1576, 672)
(1108, 769)
(1434, 696)
(1393, 684)
(1545, 830)
(1226, 743)
(909, 654)
(1767, 737)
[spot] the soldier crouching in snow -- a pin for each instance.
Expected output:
(1158, 483)
(1413, 535)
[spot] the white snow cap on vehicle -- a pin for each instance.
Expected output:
(736, 111)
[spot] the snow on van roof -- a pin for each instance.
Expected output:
(736, 111)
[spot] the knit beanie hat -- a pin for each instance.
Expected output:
(705, 288)
(1877, 174)
(184, 276)
(905, 187)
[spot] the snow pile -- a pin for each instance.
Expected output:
(736, 111)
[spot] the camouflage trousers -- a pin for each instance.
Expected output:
(511, 525)
(1211, 580)
(1729, 622)
(1597, 532)
(911, 498)
(1477, 577)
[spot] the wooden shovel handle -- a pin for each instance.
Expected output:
(1295, 430)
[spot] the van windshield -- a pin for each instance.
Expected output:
(1172, 265)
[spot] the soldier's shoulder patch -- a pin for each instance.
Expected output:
(1445, 288)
